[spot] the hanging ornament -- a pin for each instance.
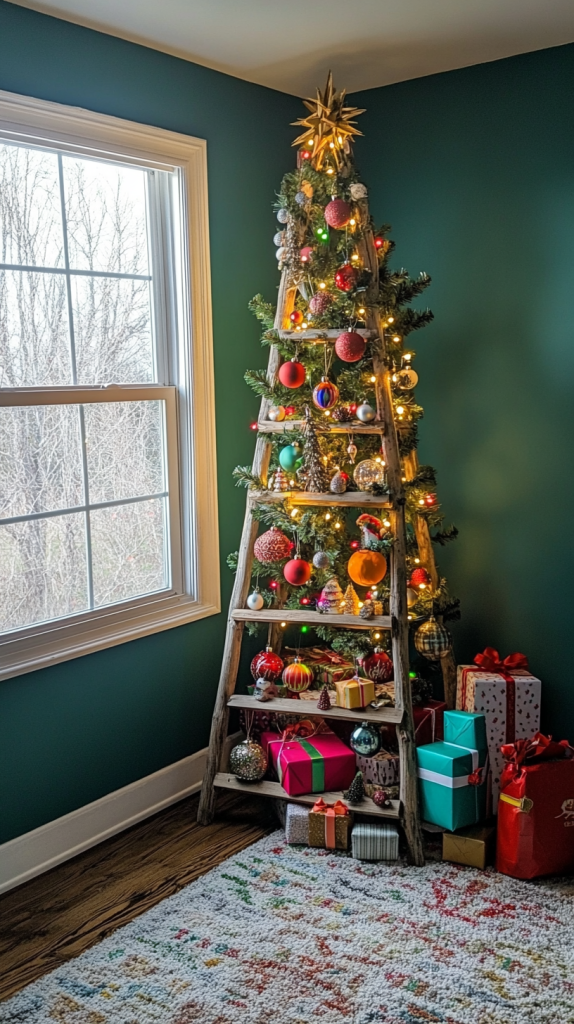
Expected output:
(337, 213)
(324, 702)
(406, 378)
(282, 215)
(321, 560)
(279, 238)
(366, 413)
(279, 254)
(412, 597)
(279, 482)
(320, 302)
(272, 546)
(358, 191)
(267, 665)
(248, 761)
(352, 451)
(420, 577)
(377, 666)
(296, 317)
(255, 602)
(367, 473)
(432, 640)
(365, 740)
(338, 484)
(346, 278)
(367, 568)
(351, 603)
(289, 455)
(292, 374)
(301, 199)
(306, 254)
(297, 572)
(350, 346)
(276, 413)
(325, 394)
(331, 600)
(297, 677)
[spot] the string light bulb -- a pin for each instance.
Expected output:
(352, 222)
(400, 410)
(294, 513)
(391, 319)
(377, 636)
(327, 516)
(329, 170)
(407, 356)
(283, 624)
(417, 560)
(373, 379)
(337, 526)
(322, 285)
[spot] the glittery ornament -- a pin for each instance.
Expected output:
(381, 798)
(279, 238)
(266, 665)
(350, 346)
(276, 413)
(366, 413)
(292, 374)
(406, 378)
(272, 546)
(325, 394)
(365, 740)
(324, 702)
(320, 302)
(297, 677)
(282, 216)
(367, 473)
(346, 278)
(255, 602)
(248, 761)
(301, 198)
(420, 576)
(377, 666)
(321, 560)
(432, 640)
(338, 484)
(337, 213)
(358, 191)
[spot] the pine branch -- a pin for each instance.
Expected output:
(244, 477)
(445, 536)
(257, 380)
(264, 311)
(413, 319)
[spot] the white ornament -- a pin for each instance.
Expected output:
(407, 378)
(301, 198)
(276, 413)
(358, 191)
(279, 238)
(255, 602)
(366, 413)
(280, 253)
(282, 216)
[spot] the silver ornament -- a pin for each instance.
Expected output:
(338, 484)
(279, 238)
(282, 216)
(301, 198)
(276, 413)
(358, 191)
(280, 253)
(321, 560)
(367, 473)
(255, 602)
(248, 761)
(366, 413)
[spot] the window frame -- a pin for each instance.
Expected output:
(190, 403)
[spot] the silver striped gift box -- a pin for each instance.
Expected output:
(297, 824)
(375, 842)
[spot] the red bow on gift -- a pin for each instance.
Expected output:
(539, 748)
(490, 661)
(475, 778)
(320, 807)
(304, 729)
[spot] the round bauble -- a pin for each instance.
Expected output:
(288, 456)
(272, 546)
(367, 473)
(255, 602)
(280, 252)
(297, 677)
(412, 597)
(325, 394)
(301, 198)
(432, 640)
(248, 761)
(320, 302)
(292, 374)
(358, 191)
(279, 238)
(267, 665)
(338, 484)
(377, 666)
(350, 346)
(321, 560)
(296, 317)
(282, 216)
(365, 740)
(346, 278)
(276, 413)
(337, 213)
(366, 568)
(420, 577)
(406, 378)
(297, 572)
(381, 798)
(366, 413)
(306, 254)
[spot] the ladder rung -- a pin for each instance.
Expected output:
(311, 618)
(354, 427)
(308, 709)
(275, 789)
(319, 337)
(352, 499)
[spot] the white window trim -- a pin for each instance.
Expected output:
(31, 121)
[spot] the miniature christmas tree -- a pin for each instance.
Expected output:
(316, 476)
(324, 702)
(356, 791)
(331, 599)
(280, 481)
(351, 599)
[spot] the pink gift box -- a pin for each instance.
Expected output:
(314, 764)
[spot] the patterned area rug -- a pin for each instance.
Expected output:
(283, 935)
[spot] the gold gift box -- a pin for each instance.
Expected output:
(471, 846)
(317, 831)
(354, 693)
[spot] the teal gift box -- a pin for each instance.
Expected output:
(452, 774)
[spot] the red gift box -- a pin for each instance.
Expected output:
(308, 760)
(536, 809)
(429, 725)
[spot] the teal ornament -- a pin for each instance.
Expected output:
(289, 455)
(366, 740)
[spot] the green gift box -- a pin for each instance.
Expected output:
(452, 776)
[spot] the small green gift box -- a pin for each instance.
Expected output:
(452, 775)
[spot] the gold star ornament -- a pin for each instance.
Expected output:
(329, 128)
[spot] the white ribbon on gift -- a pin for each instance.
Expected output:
(456, 782)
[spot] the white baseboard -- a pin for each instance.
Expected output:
(59, 840)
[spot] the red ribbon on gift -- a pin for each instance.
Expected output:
(330, 812)
(533, 751)
(490, 661)
(304, 729)
(475, 778)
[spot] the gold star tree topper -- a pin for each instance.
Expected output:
(330, 125)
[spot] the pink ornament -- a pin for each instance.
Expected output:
(350, 346)
(337, 213)
(272, 546)
(320, 302)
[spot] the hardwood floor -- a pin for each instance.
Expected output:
(51, 919)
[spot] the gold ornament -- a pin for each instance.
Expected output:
(248, 761)
(330, 124)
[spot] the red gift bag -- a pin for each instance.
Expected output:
(536, 809)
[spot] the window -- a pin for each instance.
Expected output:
(106, 393)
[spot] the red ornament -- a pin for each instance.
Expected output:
(346, 278)
(430, 500)
(297, 676)
(419, 576)
(292, 374)
(304, 154)
(306, 254)
(377, 666)
(337, 213)
(272, 546)
(320, 302)
(381, 798)
(325, 394)
(350, 346)
(297, 572)
(289, 410)
(267, 665)
(296, 317)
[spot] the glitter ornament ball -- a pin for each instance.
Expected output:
(297, 677)
(419, 576)
(366, 568)
(321, 560)
(365, 740)
(350, 346)
(338, 484)
(279, 238)
(267, 665)
(367, 473)
(248, 761)
(407, 378)
(301, 199)
(337, 213)
(280, 253)
(297, 572)
(320, 302)
(255, 602)
(325, 394)
(276, 413)
(432, 640)
(377, 666)
(282, 216)
(346, 278)
(288, 456)
(292, 374)
(272, 546)
(366, 413)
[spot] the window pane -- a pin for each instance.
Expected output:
(34, 345)
(112, 331)
(106, 216)
(43, 569)
(30, 215)
(40, 459)
(128, 550)
(124, 446)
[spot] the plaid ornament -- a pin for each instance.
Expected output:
(432, 640)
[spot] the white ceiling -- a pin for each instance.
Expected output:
(291, 44)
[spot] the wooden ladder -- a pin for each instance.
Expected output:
(401, 716)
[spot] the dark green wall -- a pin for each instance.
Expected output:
(72, 733)
(475, 171)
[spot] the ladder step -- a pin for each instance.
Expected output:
(311, 618)
(354, 427)
(309, 709)
(319, 337)
(275, 789)
(352, 499)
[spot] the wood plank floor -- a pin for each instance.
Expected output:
(51, 919)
